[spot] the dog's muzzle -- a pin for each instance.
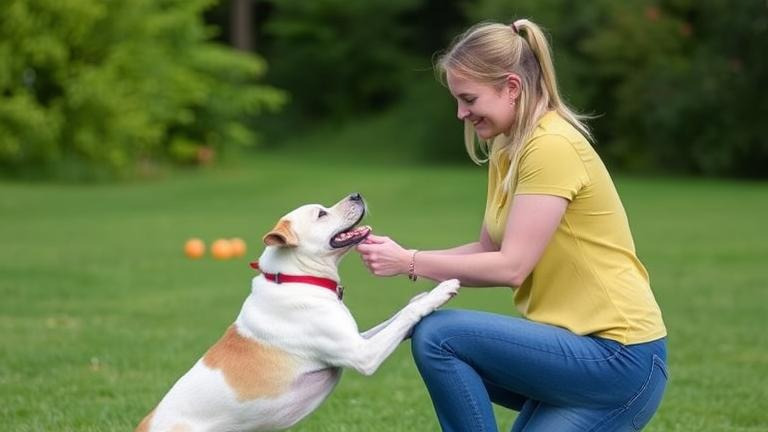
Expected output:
(352, 234)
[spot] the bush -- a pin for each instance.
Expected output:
(338, 57)
(679, 84)
(106, 85)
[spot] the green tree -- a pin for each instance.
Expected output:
(338, 57)
(687, 84)
(105, 85)
(678, 85)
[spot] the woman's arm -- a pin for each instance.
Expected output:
(483, 245)
(531, 223)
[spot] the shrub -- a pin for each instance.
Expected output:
(106, 85)
(338, 57)
(678, 84)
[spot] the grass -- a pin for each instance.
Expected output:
(101, 313)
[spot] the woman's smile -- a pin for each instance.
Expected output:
(487, 107)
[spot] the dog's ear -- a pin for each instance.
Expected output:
(281, 235)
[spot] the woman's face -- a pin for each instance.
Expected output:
(491, 110)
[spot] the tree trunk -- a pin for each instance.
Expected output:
(241, 20)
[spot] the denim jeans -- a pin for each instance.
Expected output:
(557, 380)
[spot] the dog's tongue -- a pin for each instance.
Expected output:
(358, 232)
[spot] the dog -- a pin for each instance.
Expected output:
(284, 353)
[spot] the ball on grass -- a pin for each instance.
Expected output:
(221, 249)
(238, 247)
(194, 248)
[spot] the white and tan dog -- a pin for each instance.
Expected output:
(283, 354)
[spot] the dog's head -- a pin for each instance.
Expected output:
(313, 238)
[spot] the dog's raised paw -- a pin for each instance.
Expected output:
(445, 291)
(435, 298)
(450, 286)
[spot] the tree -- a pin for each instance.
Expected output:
(109, 84)
(679, 84)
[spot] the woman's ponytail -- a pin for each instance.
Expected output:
(539, 45)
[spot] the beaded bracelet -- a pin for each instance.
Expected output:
(412, 267)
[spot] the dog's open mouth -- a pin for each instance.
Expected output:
(351, 236)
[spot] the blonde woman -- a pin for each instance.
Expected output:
(589, 353)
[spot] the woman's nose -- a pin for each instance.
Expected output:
(462, 112)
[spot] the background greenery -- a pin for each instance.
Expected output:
(116, 87)
(101, 312)
(91, 88)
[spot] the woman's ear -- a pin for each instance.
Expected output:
(514, 86)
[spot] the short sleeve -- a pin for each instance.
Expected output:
(550, 165)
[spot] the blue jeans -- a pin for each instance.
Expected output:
(557, 380)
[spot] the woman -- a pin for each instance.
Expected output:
(589, 353)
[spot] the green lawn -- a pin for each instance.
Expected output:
(100, 312)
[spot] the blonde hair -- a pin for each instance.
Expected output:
(488, 53)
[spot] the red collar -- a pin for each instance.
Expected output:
(280, 278)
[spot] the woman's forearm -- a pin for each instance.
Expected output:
(468, 248)
(479, 269)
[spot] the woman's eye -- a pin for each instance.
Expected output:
(322, 213)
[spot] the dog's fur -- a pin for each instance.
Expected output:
(283, 354)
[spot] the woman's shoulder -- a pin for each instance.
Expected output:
(554, 126)
(555, 136)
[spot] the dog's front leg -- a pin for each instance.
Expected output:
(379, 327)
(365, 355)
(374, 330)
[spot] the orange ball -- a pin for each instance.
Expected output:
(194, 248)
(238, 247)
(221, 249)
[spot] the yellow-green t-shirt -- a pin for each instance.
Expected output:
(589, 279)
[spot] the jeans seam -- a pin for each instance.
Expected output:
(613, 414)
(466, 393)
(626, 406)
(646, 383)
(611, 357)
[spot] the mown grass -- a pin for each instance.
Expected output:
(100, 312)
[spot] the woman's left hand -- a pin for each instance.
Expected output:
(383, 256)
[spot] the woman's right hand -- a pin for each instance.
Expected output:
(383, 256)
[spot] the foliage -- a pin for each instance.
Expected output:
(110, 84)
(676, 85)
(679, 84)
(338, 57)
(688, 80)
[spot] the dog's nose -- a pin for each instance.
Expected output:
(355, 197)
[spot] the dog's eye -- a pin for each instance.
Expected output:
(322, 213)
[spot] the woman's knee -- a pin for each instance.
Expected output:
(431, 331)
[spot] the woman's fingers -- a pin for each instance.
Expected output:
(378, 255)
(373, 238)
